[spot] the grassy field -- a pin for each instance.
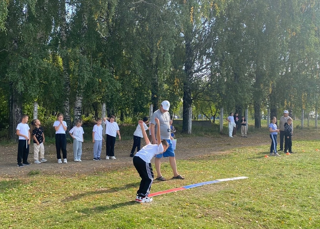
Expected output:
(281, 192)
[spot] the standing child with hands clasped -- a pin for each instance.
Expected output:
(23, 131)
(61, 141)
(112, 129)
(288, 135)
(97, 140)
(38, 142)
(142, 162)
(273, 135)
(77, 134)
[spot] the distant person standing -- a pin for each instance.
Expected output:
(164, 118)
(23, 131)
(283, 120)
(273, 129)
(60, 127)
(243, 127)
(231, 125)
(137, 135)
(288, 136)
(236, 121)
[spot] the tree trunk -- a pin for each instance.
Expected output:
(257, 114)
(103, 115)
(35, 110)
(221, 120)
(78, 107)
(15, 112)
(302, 119)
(66, 78)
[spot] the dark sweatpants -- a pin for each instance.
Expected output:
(61, 144)
(273, 147)
(282, 135)
(23, 152)
(288, 144)
(110, 142)
(136, 144)
(145, 171)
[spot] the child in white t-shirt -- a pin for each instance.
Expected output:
(77, 134)
(142, 162)
(60, 127)
(23, 131)
(137, 135)
(112, 129)
(97, 140)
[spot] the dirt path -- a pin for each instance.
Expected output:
(187, 147)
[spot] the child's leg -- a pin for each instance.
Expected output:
(64, 145)
(138, 144)
(79, 150)
(75, 149)
(108, 144)
(133, 145)
(242, 131)
(245, 131)
(25, 152)
(113, 142)
(99, 148)
(145, 171)
(290, 144)
(20, 151)
(285, 143)
(36, 149)
(230, 129)
(42, 150)
(95, 149)
(58, 145)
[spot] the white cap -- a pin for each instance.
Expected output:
(165, 105)
(286, 112)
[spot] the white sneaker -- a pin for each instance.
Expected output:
(65, 160)
(76, 160)
(107, 157)
(43, 160)
(143, 199)
(113, 158)
(37, 162)
(59, 161)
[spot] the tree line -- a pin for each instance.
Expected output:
(73, 56)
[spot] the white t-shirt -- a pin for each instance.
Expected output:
(138, 131)
(24, 129)
(77, 133)
(149, 151)
(111, 128)
(60, 130)
(97, 132)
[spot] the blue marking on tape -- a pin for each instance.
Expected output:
(201, 184)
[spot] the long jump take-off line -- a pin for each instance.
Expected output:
(196, 185)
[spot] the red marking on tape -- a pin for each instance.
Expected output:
(166, 191)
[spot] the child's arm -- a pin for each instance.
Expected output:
(70, 132)
(63, 126)
(44, 139)
(146, 139)
(158, 131)
(36, 140)
(29, 137)
(118, 131)
(93, 136)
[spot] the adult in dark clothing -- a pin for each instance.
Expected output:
(237, 122)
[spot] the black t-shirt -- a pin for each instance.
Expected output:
(242, 121)
(38, 133)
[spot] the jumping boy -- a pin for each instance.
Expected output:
(142, 162)
(23, 131)
(288, 135)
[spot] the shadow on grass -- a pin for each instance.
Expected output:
(100, 209)
(101, 191)
(4, 185)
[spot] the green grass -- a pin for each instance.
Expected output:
(281, 192)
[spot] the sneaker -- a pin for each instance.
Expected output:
(20, 165)
(37, 162)
(65, 160)
(143, 199)
(113, 158)
(271, 154)
(43, 160)
(26, 164)
(107, 157)
(95, 159)
(76, 160)
(79, 160)
(277, 155)
(59, 161)
(98, 159)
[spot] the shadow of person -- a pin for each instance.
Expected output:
(99, 209)
(100, 191)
